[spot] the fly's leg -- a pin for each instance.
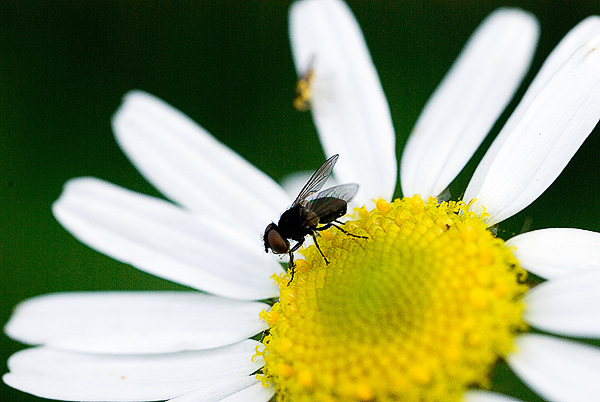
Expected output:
(327, 226)
(319, 248)
(291, 266)
(346, 232)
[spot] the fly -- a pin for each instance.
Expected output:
(312, 211)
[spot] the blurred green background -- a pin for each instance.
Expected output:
(64, 66)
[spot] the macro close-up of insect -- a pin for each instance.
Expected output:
(311, 212)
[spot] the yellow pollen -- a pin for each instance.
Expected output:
(383, 206)
(419, 311)
(421, 374)
(305, 378)
(364, 392)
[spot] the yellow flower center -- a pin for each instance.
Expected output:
(419, 311)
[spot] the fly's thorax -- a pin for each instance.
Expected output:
(292, 222)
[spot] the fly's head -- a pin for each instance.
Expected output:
(274, 241)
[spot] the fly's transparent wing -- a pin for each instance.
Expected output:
(317, 180)
(344, 192)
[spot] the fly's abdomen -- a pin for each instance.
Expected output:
(328, 209)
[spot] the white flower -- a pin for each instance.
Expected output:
(136, 346)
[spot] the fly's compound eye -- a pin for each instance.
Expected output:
(273, 240)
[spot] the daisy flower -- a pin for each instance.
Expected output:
(420, 310)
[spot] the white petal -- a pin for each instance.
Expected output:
(191, 167)
(557, 369)
(468, 101)
(348, 103)
(486, 396)
(56, 374)
(254, 393)
(568, 305)
(217, 391)
(164, 240)
(134, 322)
(551, 253)
(580, 34)
(544, 138)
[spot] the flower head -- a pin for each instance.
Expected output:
(419, 310)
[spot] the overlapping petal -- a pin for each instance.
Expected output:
(580, 34)
(348, 104)
(167, 241)
(555, 252)
(58, 374)
(547, 134)
(247, 389)
(191, 167)
(557, 369)
(134, 322)
(254, 393)
(568, 305)
(468, 101)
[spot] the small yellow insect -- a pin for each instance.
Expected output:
(302, 101)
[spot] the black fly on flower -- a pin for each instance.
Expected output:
(311, 209)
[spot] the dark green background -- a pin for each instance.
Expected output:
(64, 67)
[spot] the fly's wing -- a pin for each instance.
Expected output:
(344, 192)
(317, 180)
